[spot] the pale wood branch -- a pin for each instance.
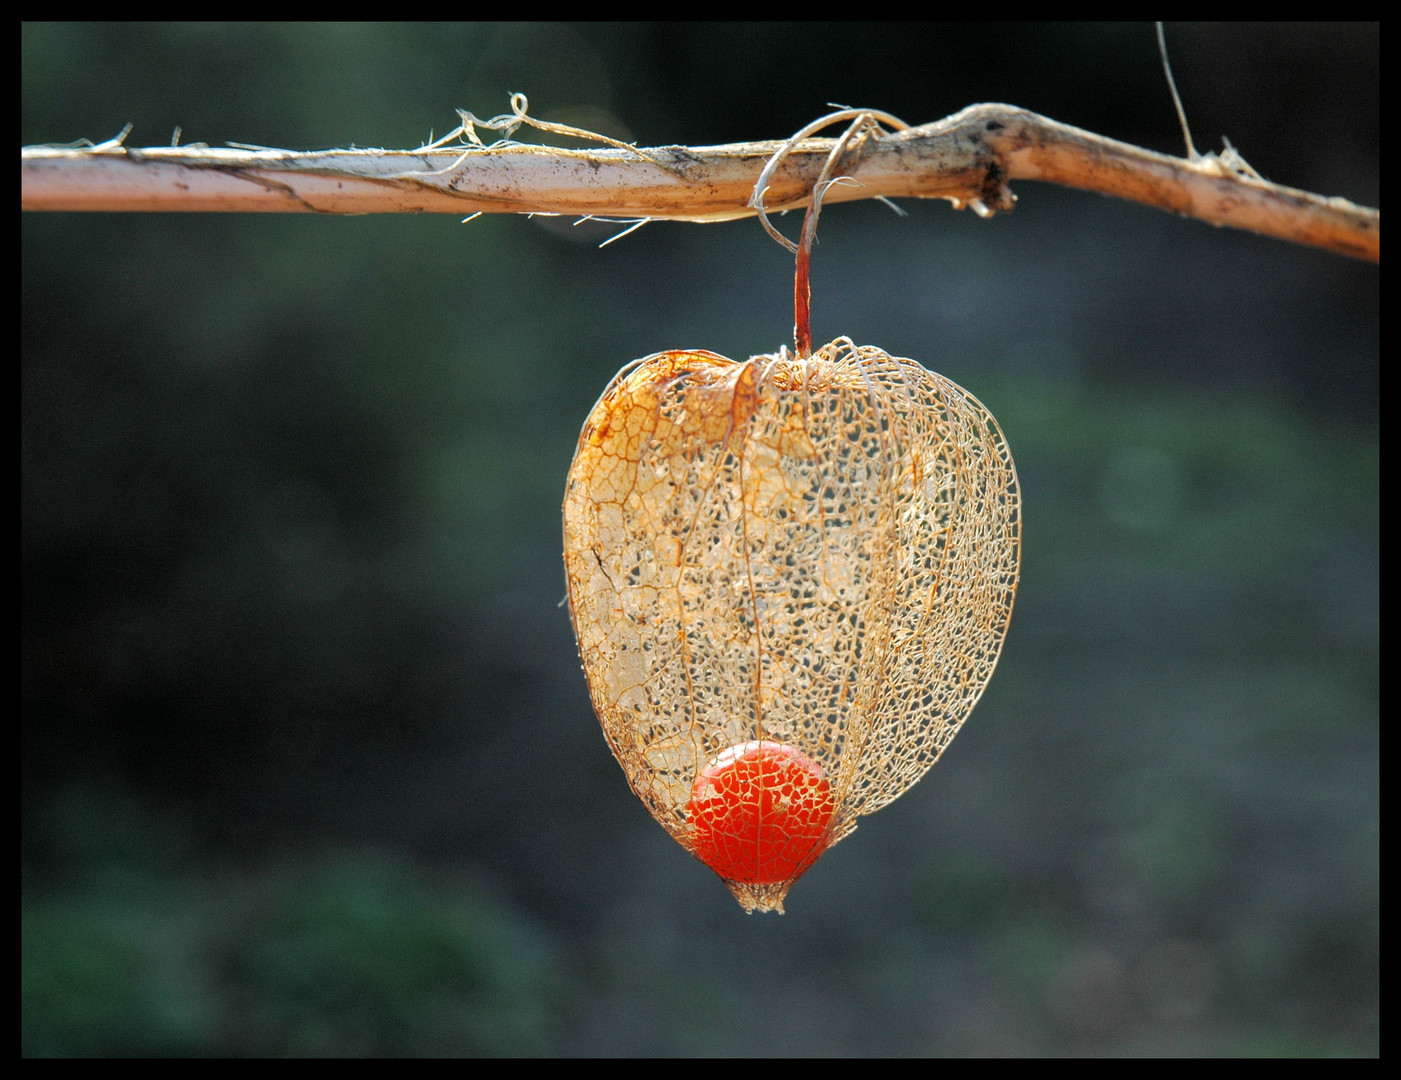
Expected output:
(969, 158)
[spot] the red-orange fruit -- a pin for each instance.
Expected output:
(761, 812)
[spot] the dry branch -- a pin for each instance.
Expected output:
(969, 158)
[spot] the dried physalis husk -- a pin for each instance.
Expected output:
(790, 580)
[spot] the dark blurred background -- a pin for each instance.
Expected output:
(309, 765)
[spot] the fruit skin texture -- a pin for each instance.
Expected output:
(761, 812)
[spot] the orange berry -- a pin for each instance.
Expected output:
(760, 813)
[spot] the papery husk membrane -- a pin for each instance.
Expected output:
(822, 551)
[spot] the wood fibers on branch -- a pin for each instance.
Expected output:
(970, 158)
